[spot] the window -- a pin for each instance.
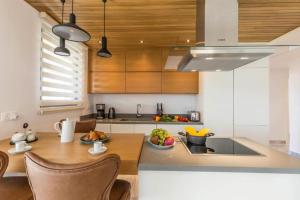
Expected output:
(62, 79)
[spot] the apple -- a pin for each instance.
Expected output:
(154, 140)
(169, 141)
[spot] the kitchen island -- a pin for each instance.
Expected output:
(177, 174)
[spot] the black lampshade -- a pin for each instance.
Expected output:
(62, 50)
(70, 31)
(104, 52)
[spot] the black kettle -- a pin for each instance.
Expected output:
(111, 113)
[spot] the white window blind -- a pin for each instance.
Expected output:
(62, 77)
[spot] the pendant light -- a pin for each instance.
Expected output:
(104, 52)
(70, 31)
(61, 50)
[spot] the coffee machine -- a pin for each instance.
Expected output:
(100, 111)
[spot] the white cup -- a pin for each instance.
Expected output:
(20, 146)
(98, 146)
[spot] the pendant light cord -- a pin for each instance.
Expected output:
(104, 15)
(72, 6)
(62, 11)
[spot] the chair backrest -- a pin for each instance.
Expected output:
(53, 181)
(3, 163)
(85, 126)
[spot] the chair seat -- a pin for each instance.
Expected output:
(120, 190)
(15, 188)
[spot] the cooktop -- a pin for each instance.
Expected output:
(225, 146)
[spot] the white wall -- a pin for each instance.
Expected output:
(217, 101)
(126, 103)
(294, 105)
(251, 101)
(19, 69)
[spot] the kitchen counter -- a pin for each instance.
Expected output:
(179, 159)
(131, 119)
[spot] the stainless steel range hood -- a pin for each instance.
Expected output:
(217, 40)
(222, 58)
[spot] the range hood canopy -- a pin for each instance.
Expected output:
(217, 39)
(222, 58)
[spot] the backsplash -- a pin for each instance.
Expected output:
(126, 103)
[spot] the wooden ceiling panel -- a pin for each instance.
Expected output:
(263, 21)
(163, 23)
(159, 23)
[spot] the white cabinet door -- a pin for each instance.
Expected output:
(174, 129)
(103, 127)
(122, 128)
(144, 128)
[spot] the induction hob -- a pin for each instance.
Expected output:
(224, 146)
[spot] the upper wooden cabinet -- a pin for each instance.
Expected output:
(180, 82)
(150, 60)
(114, 64)
(143, 82)
(107, 82)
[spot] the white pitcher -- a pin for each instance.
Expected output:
(67, 130)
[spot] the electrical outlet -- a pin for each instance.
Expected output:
(7, 116)
(13, 115)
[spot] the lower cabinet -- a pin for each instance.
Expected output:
(142, 128)
(122, 128)
(103, 127)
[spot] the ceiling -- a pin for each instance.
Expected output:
(156, 22)
(163, 23)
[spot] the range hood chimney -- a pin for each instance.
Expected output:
(217, 46)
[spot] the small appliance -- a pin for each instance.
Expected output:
(111, 113)
(194, 116)
(100, 111)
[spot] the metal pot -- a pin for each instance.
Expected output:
(197, 140)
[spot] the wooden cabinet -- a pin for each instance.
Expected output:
(107, 82)
(114, 64)
(180, 82)
(150, 60)
(138, 72)
(143, 82)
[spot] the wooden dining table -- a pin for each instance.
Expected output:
(48, 146)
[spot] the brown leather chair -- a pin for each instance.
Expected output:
(95, 180)
(85, 126)
(12, 188)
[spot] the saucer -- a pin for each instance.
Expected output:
(91, 151)
(13, 150)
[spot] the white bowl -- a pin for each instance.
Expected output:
(18, 137)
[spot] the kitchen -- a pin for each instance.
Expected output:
(257, 101)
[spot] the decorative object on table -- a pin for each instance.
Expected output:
(94, 136)
(61, 50)
(66, 130)
(111, 113)
(196, 137)
(71, 31)
(161, 139)
(98, 148)
(104, 52)
(20, 147)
